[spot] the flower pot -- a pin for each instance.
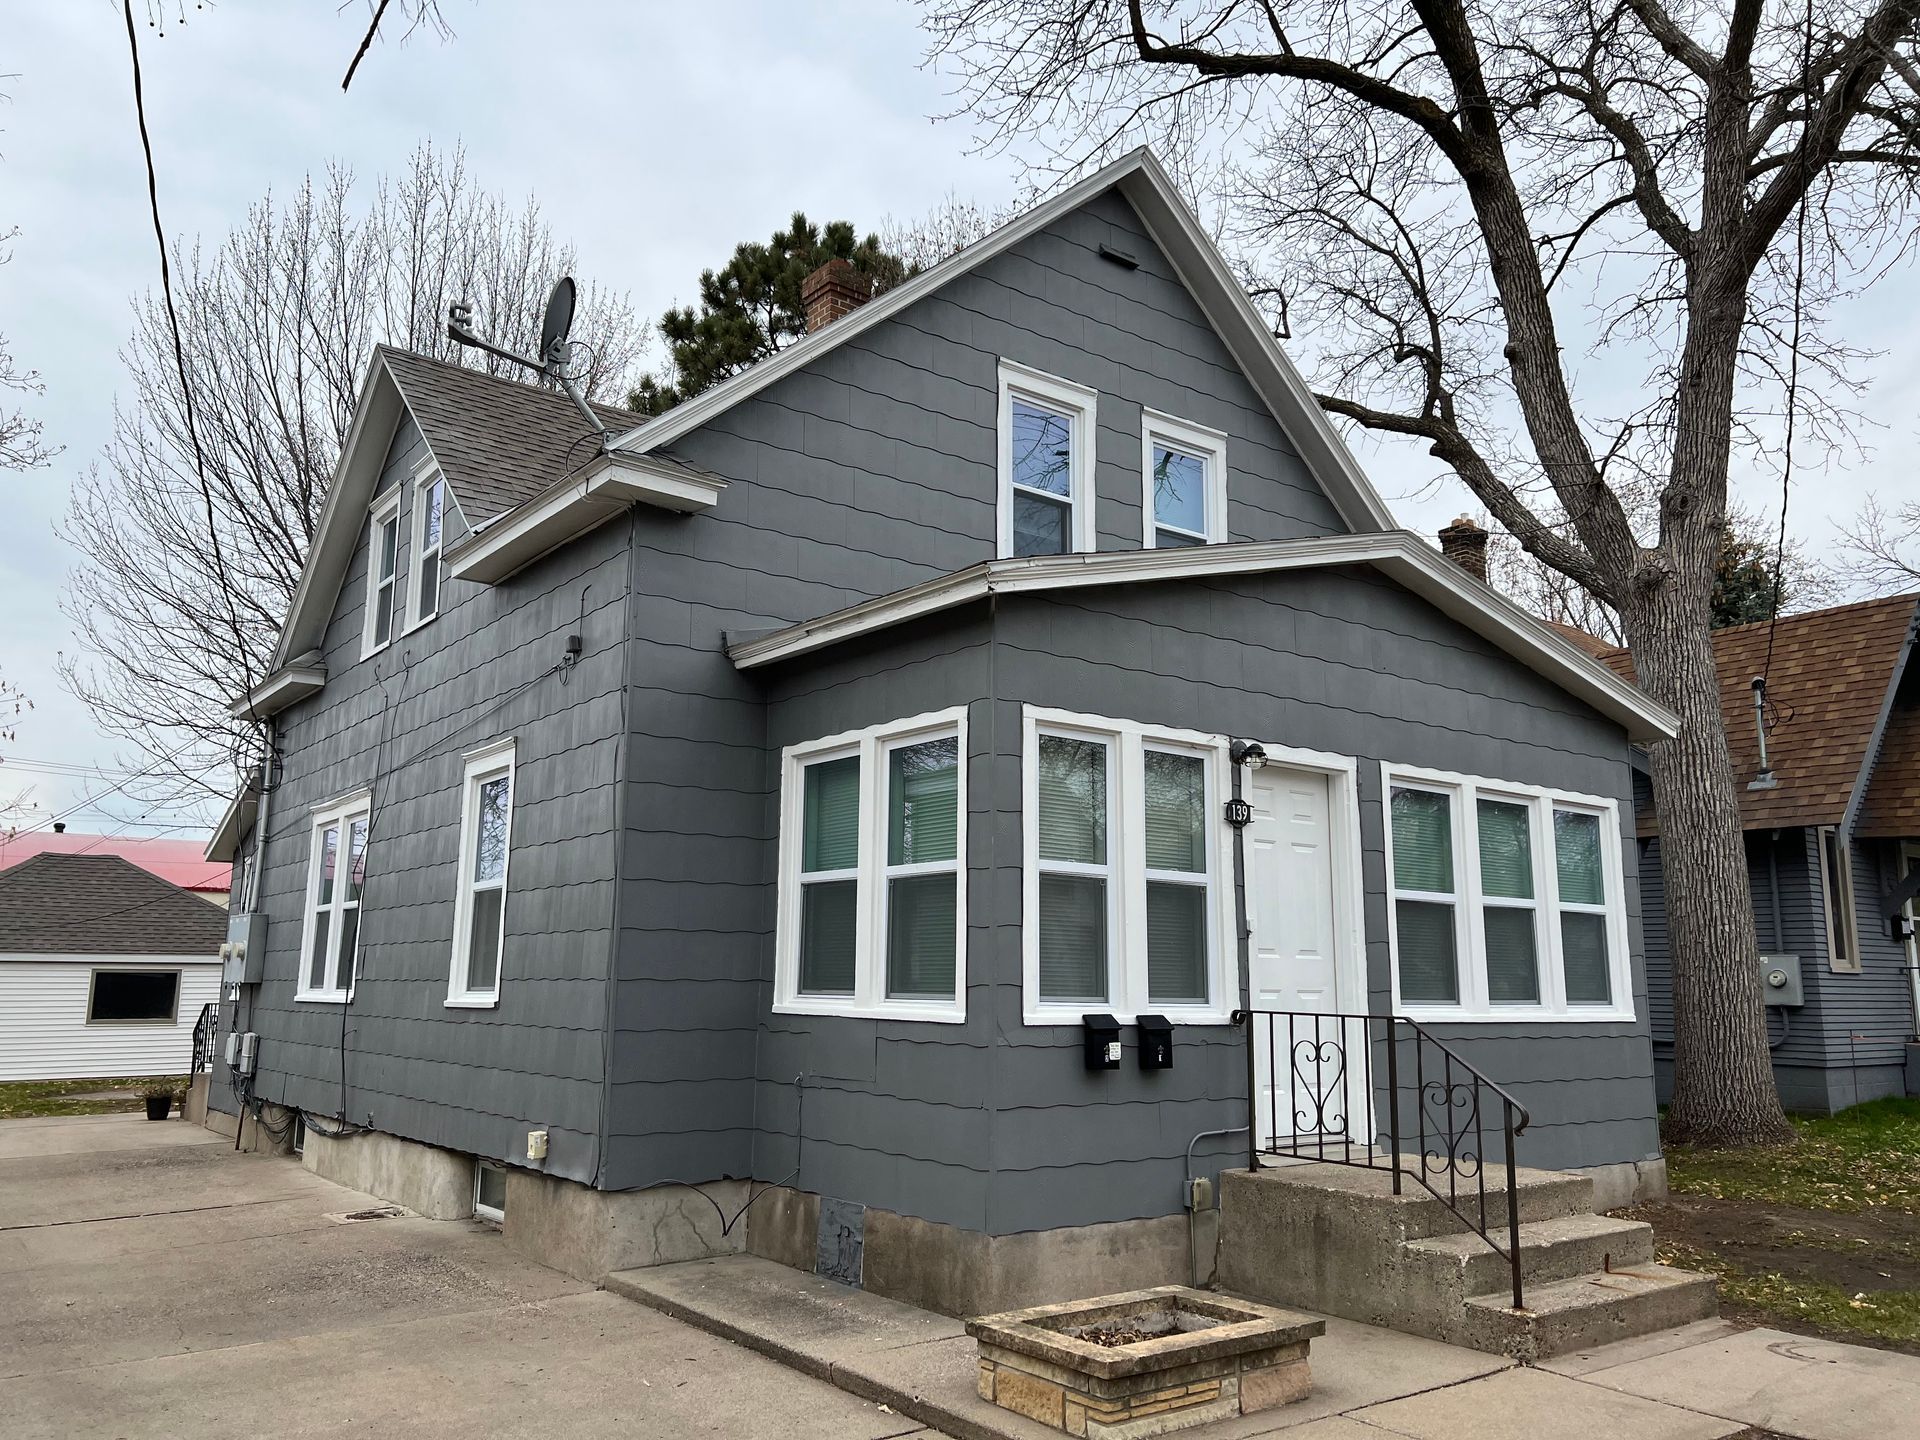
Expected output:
(158, 1106)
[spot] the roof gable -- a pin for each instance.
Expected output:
(102, 905)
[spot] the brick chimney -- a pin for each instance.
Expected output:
(835, 289)
(1465, 544)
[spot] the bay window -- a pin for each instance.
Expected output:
(1505, 900)
(336, 873)
(1124, 903)
(872, 898)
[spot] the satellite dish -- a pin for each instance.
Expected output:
(559, 320)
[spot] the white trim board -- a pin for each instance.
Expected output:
(1398, 554)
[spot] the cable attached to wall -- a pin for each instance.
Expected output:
(800, 1142)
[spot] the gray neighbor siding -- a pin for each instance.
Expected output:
(1847, 1042)
(996, 1125)
(399, 722)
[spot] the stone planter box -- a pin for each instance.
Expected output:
(1185, 1357)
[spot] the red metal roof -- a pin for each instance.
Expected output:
(179, 862)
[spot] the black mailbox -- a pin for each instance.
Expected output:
(1156, 1042)
(1102, 1042)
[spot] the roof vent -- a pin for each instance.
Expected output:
(1764, 778)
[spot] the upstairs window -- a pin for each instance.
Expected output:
(480, 904)
(1505, 900)
(1836, 884)
(384, 583)
(1184, 499)
(1046, 463)
(429, 512)
(336, 873)
(873, 873)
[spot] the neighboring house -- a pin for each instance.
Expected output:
(773, 795)
(1832, 829)
(104, 969)
(180, 862)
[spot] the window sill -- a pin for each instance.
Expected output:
(471, 1002)
(1514, 1015)
(892, 1010)
(367, 652)
(1054, 1015)
(420, 624)
(321, 999)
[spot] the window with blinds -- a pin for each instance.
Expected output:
(1122, 890)
(873, 879)
(1506, 899)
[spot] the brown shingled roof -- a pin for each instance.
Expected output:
(1892, 806)
(102, 905)
(1580, 639)
(499, 442)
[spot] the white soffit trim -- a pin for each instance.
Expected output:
(284, 687)
(1139, 177)
(1398, 554)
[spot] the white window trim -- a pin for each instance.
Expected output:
(485, 763)
(1079, 404)
(383, 511)
(497, 1214)
(1196, 440)
(341, 812)
(869, 999)
(1469, 934)
(93, 983)
(1847, 923)
(428, 474)
(1127, 996)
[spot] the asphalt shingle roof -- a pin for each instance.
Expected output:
(499, 442)
(102, 905)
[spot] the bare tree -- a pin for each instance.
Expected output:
(21, 444)
(1882, 546)
(946, 229)
(1432, 188)
(278, 324)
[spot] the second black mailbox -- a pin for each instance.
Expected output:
(1156, 1042)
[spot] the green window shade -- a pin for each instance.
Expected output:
(1583, 943)
(1176, 812)
(832, 825)
(923, 802)
(921, 936)
(1423, 841)
(1576, 850)
(1506, 854)
(1176, 943)
(1073, 938)
(1429, 969)
(828, 918)
(1073, 800)
(1513, 966)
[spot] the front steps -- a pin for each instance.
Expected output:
(1335, 1239)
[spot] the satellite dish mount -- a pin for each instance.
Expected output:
(555, 326)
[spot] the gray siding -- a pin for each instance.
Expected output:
(873, 469)
(400, 722)
(996, 1125)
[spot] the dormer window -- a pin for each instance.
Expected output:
(1184, 499)
(384, 584)
(1046, 463)
(429, 517)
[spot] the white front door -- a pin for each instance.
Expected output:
(1300, 1060)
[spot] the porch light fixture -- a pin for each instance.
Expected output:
(1249, 753)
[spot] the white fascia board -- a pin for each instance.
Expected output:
(578, 504)
(1397, 553)
(284, 687)
(235, 821)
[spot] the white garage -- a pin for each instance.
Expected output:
(104, 969)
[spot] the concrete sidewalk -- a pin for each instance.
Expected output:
(1702, 1382)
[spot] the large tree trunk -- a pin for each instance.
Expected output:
(1723, 1086)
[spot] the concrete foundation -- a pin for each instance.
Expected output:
(588, 1233)
(275, 1137)
(193, 1109)
(965, 1272)
(427, 1180)
(1631, 1182)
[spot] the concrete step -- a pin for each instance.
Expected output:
(1365, 1195)
(1587, 1310)
(1558, 1249)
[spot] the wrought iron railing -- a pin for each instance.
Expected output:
(206, 1030)
(1351, 1089)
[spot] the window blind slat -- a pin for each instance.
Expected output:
(1429, 966)
(1073, 938)
(923, 806)
(831, 837)
(1583, 944)
(1506, 850)
(828, 920)
(1176, 943)
(1576, 849)
(1072, 786)
(1423, 841)
(921, 940)
(1176, 812)
(1513, 963)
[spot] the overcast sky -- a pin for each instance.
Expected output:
(654, 137)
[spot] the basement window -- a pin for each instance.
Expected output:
(134, 997)
(490, 1191)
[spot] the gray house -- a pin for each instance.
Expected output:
(777, 802)
(1831, 812)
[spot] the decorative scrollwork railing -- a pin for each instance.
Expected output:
(1349, 1089)
(206, 1030)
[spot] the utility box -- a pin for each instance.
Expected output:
(1780, 981)
(243, 957)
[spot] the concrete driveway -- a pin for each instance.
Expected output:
(153, 1282)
